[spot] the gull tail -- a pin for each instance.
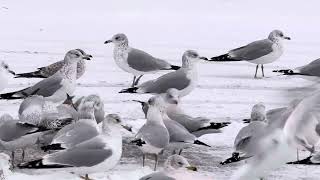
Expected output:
(287, 72)
(52, 147)
(235, 158)
(222, 58)
(17, 94)
(129, 90)
(246, 121)
(200, 143)
(38, 164)
(35, 74)
(173, 67)
(214, 125)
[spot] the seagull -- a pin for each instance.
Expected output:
(14, 135)
(5, 74)
(56, 87)
(258, 113)
(83, 129)
(47, 71)
(173, 165)
(301, 130)
(198, 126)
(185, 79)
(135, 61)
(309, 71)
(99, 112)
(153, 136)
(36, 111)
(258, 52)
(97, 154)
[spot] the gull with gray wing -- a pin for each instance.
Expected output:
(258, 52)
(135, 61)
(185, 79)
(97, 154)
(153, 136)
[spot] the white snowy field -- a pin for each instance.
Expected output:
(35, 33)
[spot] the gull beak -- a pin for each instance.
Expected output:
(287, 38)
(126, 127)
(11, 72)
(87, 57)
(203, 58)
(108, 41)
(192, 168)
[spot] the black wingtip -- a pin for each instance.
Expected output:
(173, 67)
(221, 58)
(200, 143)
(287, 72)
(235, 158)
(35, 74)
(246, 121)
(214, 125)
(129, 90)
(138, 142)
(38, 164)
(306, 161)
(53, 147)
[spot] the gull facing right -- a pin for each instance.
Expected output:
(258, 52)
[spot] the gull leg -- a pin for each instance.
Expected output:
(262, 68)
(12, 156)
(297, 154)
(180, 151)
(137, 80)
(86, 177)
(23, 155)
(143, 159)
(257, 67)
(134, 80)
(156, 163)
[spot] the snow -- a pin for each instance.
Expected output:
(35, 33)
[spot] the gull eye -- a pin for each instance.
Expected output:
(180, 163)
(117, 38)
(6, 66)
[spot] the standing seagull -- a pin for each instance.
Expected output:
(310, 71)
(153, 136)
(47, 71)
(5, 73)
(185, 79)
(56, 87)
(258, 52)
(97, 154)
(135, 61)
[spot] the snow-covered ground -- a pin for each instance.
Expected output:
(35, 33)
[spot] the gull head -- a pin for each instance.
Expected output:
(5, 68)
(277, 35)
(115, 119)
(98, 103)
(157, 102)
(258, 112)
(172, 96)
(84, 53)
(190, 57)
(74, 56)
(86, 110)
(118, 39)
(177, 162)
